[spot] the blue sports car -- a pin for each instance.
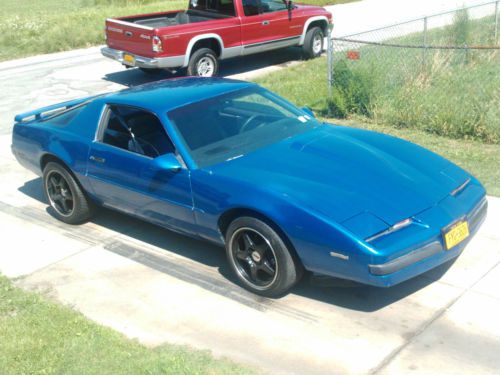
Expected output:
(232, 163)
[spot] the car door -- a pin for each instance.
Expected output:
(121, 169)
(268, 24)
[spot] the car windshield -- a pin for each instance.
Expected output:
(234, 124)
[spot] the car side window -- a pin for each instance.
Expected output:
(137, 131)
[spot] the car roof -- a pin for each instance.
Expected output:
(163, 96)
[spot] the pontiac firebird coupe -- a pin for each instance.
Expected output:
(232, 163)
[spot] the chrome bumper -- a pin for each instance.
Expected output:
(144, 62)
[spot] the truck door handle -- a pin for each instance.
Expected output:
(265, 23)
(97, 159)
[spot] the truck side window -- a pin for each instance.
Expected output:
(223, 7)
(272, 6)
(136, 131)
(251, 7)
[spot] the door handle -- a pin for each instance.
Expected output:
(97, 159)
(265, 23)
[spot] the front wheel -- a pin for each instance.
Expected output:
(260, 258)
(313, 43)
(203, 63)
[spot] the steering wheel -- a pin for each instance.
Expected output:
(247, 123)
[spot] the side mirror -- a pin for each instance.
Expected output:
(308, 111)
(167, 162)
(290, 5)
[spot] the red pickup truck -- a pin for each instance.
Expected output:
(212, 30)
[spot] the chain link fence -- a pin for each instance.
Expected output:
(439, 73)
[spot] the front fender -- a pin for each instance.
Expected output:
(312, 235)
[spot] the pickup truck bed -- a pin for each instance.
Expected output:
(173, 19)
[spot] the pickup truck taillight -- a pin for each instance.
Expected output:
(157, 45)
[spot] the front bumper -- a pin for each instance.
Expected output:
(425, 257)
(144, 62)
(402, 255)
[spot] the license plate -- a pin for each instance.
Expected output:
(456, 234)
(129, 59)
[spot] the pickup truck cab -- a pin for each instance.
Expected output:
(212, 30)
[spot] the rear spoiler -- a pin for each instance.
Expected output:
(51, 110)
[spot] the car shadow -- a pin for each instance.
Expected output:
(342, 293)
(238, 65)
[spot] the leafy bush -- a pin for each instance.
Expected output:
(352, 91)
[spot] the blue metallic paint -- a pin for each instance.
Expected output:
(327, 190)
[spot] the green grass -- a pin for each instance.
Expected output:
(41, 337)
(451, 93)
(454, 94)
(32, 27)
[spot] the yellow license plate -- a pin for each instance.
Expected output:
(456, 234)
(129, 59)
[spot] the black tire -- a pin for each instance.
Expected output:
(152, 71)
(266, 245)
(203, 63)
(310, 48)
(78, 208)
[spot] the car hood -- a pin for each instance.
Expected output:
(341, 172)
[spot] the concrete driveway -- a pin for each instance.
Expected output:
(158, 287)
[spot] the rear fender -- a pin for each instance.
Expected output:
(198, 38)
(71, 152)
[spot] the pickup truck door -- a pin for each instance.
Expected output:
(124, 179)
(268, 24)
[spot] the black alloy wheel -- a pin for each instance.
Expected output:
(254, 257)
(59, 194)
(260, 258)
(67, 199)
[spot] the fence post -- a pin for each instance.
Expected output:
(329, 52)
(424, 53)
(496, 22)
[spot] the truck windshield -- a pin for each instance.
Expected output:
(223, 7)
(231, 125)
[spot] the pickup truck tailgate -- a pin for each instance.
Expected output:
(130, 37)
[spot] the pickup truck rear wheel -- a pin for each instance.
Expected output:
(313, 43)
(203, 63)
(65, 196)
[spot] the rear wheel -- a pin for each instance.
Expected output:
(203, 63)
(65, 196)
(260, 258)
(313, 43)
